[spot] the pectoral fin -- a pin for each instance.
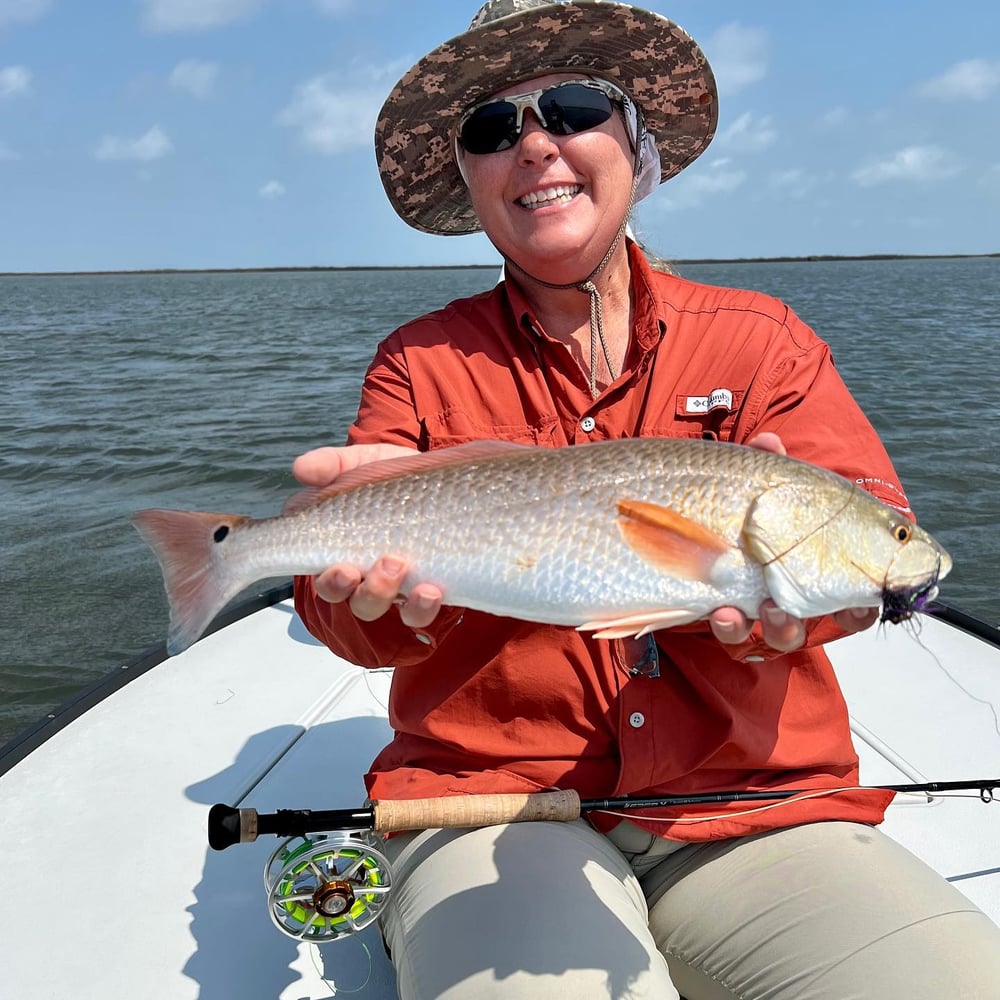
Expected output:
(670, 541)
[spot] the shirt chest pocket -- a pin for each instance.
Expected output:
(708, 415)
(456, 425)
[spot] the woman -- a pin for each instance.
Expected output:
(543, 125)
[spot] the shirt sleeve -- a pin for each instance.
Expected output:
(386, 415)
(799, 395)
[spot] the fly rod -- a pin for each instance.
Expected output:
(228, 825)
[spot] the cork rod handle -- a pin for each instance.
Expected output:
(475, 810)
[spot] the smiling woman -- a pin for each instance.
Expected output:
(543, 125)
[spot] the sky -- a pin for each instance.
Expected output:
(238, 133)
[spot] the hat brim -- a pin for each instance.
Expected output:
(652, 59)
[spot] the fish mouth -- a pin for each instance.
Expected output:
(899, 604)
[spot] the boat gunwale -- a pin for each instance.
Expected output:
(90, 695)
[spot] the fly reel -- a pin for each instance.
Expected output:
(327, 886)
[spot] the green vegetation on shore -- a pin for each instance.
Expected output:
(811, 258)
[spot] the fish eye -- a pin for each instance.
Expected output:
(902, 532)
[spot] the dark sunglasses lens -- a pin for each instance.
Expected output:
(574, 108)
(490, 128)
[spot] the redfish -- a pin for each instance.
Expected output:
(615, 537)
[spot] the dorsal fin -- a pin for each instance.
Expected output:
(393, 468)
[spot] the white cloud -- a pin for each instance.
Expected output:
(738, 56)
(151, 146)
(14, 80)
(791, 183)
(12, 11)
(747, 134)
(690, 190)
(974, 79)
(333, 117)
(195, 15)
(194, 77)
(914, 163)
(272, 189)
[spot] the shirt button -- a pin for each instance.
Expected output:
(422, 637)
(588, 424)
(636, 720)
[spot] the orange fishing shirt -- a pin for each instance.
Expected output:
(481, 703)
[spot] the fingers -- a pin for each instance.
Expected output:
(730, 625)
(422, 605)
(377, 592)
(370, 595)
(321, 466)
(768, 441)
(856, 619)
(781, 631)
(318, 467)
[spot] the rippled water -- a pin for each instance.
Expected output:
(197, 390)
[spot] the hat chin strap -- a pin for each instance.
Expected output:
(587, 284)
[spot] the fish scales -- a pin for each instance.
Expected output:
(537, 527)
(653, 529)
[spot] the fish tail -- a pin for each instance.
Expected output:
(199, 584)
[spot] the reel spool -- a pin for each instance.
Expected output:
(327, 886)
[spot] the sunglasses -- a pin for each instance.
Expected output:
(565, 109)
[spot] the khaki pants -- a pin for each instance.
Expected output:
(824, 911)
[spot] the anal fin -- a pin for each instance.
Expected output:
(639, 624)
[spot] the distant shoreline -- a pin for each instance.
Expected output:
(808, 259)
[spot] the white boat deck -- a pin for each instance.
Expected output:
(116, 893)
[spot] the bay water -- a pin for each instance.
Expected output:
(196, 390)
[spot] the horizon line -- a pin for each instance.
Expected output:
(804, 258)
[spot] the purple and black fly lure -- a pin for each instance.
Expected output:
(902, 603)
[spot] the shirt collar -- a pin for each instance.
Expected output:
(649, 325)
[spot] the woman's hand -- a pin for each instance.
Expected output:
(369, 595)
(780, 630)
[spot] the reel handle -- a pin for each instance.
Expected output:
(228, 826)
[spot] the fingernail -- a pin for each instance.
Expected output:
(726, 628)
(342, 579)
(775, 616)
(392, 567)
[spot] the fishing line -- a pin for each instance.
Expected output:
(915, 630)
(314, 952)
(926, 796)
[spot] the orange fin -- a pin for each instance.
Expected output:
(640, 624)
(670, 541)
(393, 468)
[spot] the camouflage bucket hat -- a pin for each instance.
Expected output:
(653, 60)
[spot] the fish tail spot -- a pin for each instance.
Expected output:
(197, 586)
